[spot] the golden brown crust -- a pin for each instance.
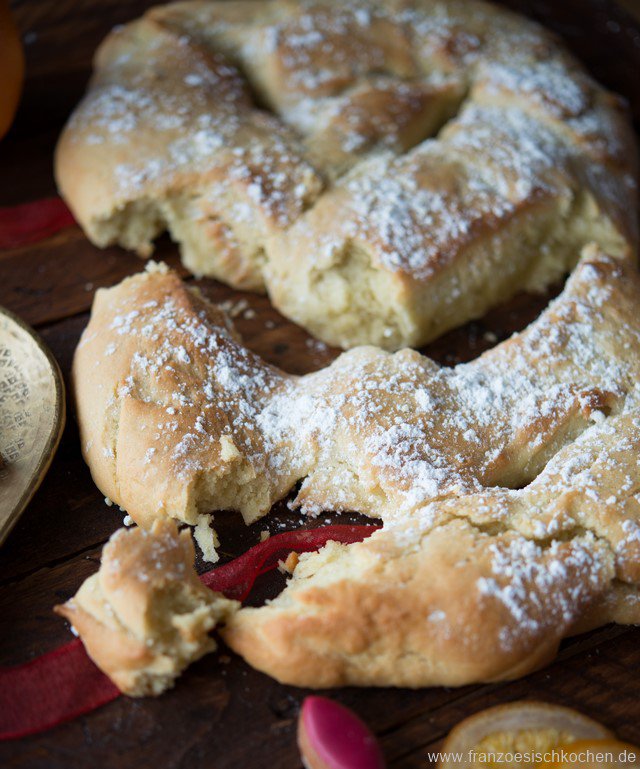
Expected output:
(469, 589)
(385, 169)
(144, 616)
(508, 486)
(434, 615)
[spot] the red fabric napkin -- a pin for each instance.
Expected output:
(31, 222)
(64, 683)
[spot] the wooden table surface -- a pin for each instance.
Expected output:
(224, 714)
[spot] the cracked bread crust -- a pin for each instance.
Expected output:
(509, 486)
(472, 589)
(458, 606)
(145, 615)
(385, 169)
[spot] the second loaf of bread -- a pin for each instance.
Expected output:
(386, 169)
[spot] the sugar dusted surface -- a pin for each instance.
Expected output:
(397, 436)
(528, 119)
(535, 445)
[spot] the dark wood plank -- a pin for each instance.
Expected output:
(58, 277)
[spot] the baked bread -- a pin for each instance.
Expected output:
(472, 589)
(145, 615)
(508, 486)
(385, 169)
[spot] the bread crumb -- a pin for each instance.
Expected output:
(233, 309)
(207, 538)
(288, 566)
(156, 268)
(228, 449)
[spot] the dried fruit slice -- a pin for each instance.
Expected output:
(530, 729)
(595, 753)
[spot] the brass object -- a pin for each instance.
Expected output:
(32, 415)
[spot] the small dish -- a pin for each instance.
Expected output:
(32, 415)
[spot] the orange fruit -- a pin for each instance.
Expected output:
(11, 67)
(528, 729)
(595, 753)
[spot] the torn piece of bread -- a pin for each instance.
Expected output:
(509, 487)
(145, 615)
(385, 170)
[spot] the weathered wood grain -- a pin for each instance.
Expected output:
(58, 277)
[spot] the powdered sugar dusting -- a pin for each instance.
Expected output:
(397, 423)
(542, 588)
(527, 119)
(394, 436)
